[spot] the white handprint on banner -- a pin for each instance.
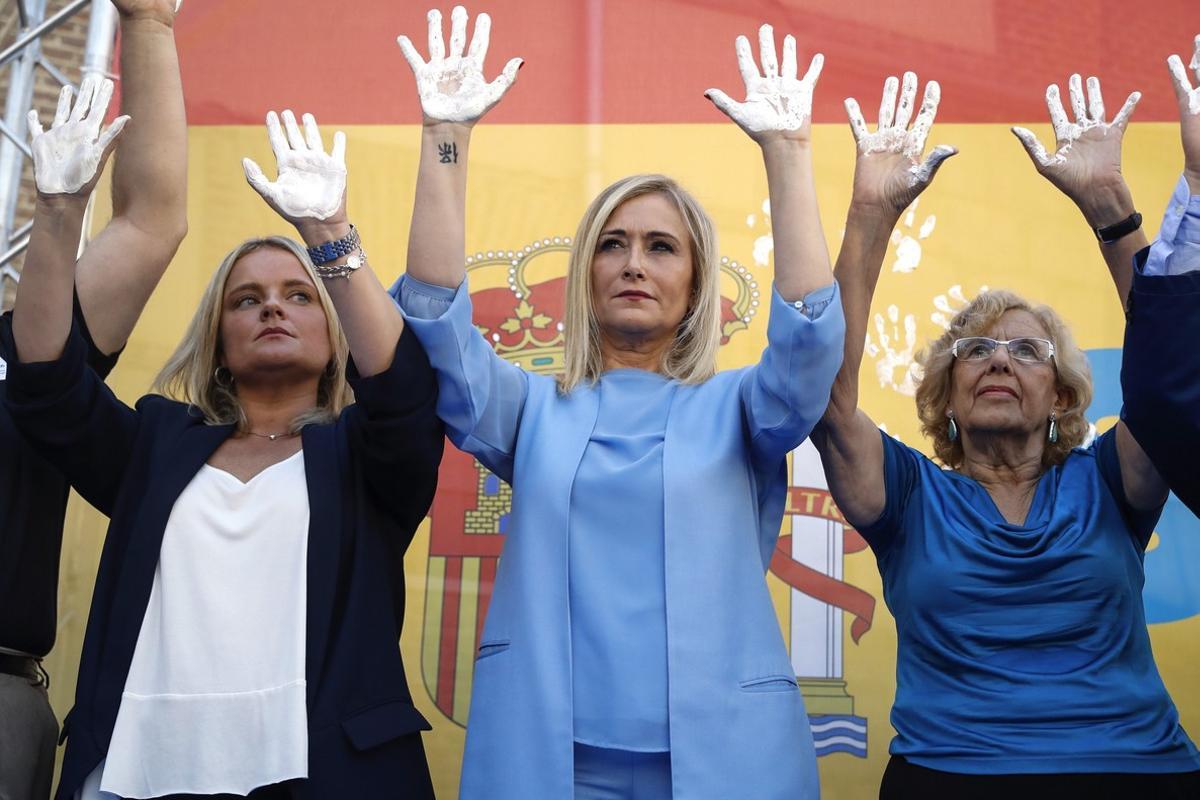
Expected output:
(907, 241)
(895, 361)
(948, 304)
(764, 244)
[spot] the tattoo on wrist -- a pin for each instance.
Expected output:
(448, 153)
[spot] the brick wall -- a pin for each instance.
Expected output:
(63, 47)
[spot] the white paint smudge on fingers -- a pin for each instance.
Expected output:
(69, 155)
(311, 183)
(450, 84)
(1188, 97)
(775, 101)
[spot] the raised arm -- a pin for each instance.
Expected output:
(888, 176)
(120, 268)
(777, 115)
(310, 193)
(67, 162)
(1086, 167)
(454, 96)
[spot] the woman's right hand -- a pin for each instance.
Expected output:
(68, 158)
(889, 173)
(451, 85)
(1086, 162)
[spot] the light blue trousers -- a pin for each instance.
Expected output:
(604, 774)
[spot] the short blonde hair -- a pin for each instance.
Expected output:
(1074, 376)
(692, 358)
(190, 373)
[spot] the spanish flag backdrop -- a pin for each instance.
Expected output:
(613, 87)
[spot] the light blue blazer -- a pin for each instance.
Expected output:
(737, 721)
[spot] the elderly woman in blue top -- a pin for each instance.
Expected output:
(1015, 574)
(631, 647)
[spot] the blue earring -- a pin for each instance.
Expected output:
(952, 429)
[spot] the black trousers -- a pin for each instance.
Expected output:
(905, 781)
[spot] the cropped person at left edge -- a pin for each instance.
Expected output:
(114, 278)
(244, 632)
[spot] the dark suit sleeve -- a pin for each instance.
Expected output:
(1160, 375)
(73, 420)
(395, 432)
(102, 363)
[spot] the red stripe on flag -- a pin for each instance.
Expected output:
(632, 61)
(448, 645)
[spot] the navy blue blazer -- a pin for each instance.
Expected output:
(1160, 375)
(371, 475)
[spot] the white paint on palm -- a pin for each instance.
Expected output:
(1089, 114)
(776, 99)
(893, 135)
(68, 156)
(451, 85)
(310, 182)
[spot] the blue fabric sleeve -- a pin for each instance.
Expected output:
(1176, 250)
(901, 473)
(785, 394)
(480, 395)
(1141, 522)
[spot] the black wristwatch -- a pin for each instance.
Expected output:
(1118, 230)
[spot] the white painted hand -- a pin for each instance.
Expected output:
(776, 100)
(1087, 151)
(451, 86)
(1189, 111)
(889, 170)
(68, 158)
(311, 182)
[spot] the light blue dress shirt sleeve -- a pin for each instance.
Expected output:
(1176, 250)
(785, 394)
(480, 395)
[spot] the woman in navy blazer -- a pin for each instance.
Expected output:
(262, 378)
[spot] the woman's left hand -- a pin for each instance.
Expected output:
(1189, 114)
(778, 105)
(1086, 163)
(312, 183)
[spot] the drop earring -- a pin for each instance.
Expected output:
(952, 429)
(1052, 433)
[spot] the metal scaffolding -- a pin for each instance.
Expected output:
(23, 57)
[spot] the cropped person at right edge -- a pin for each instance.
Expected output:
(1160, 375)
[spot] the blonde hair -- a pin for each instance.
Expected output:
(1074, 376)
(692, 358)
(189, 375)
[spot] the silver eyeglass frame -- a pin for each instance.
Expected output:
(1005, 342)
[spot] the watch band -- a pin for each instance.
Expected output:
(332, 251)
(1118, 230)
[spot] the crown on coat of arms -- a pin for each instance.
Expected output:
(522, 296)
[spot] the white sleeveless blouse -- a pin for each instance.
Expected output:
(214, 701)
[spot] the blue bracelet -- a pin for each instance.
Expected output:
(332, 251)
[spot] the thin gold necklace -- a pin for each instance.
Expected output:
(271, 436)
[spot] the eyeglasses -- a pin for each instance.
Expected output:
(1026, 348)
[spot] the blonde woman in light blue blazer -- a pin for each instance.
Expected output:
(631, 649)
